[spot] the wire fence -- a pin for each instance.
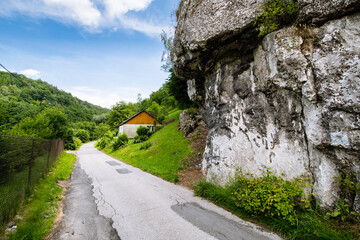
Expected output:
(22, 162)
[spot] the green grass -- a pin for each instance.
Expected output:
(311, 224)
(163, 158)
(43, 201)
(173, 114)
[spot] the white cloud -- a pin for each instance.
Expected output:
(31, 73)
(116, 8)
(80, 11)
(99, 97)
(93, 15)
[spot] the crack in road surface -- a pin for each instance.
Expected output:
(82, 220)
(141, 206)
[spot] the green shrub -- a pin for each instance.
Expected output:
(77, 143)
(118, 143)
(145, 146)
(143, 131)
(274, 13)
(83, 135)
(103, 142)
(122, 140)
(136, 139)
(268, 196)
(345, 208)
(143, 134)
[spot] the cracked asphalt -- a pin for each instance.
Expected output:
(127, 203)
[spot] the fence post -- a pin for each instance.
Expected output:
(31, 162)
(49, 152)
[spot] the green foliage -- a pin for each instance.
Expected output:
(83, 135)
(309, 225)
(349, 183)
(145, 146)
(178, 89)
(119, 113)
(44, 201)
(157, 109)
(143, 131)
(268, 196)
(173, 115)
(105, 140)
(344, 209)
(122, 140)
(22, 97)
(274, 13)
(143, 134)
(77, 143)
(51, 123)
(123, 137)
(100, 130)
(102, 143)
(36, 109)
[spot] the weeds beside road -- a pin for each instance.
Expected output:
(39, 210)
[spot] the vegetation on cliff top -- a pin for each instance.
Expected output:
(274, 13)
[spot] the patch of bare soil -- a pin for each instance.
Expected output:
(59, 216)
(193, 174)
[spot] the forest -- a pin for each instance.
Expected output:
(34, 108)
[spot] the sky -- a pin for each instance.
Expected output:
(101, 51)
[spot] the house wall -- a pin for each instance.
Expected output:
(130, 129)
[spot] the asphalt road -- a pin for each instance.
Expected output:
(131, 204)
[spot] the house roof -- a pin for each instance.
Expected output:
(135, 115)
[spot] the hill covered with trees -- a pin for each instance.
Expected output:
(21, 97)
(34, 108)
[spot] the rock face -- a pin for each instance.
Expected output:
(289, 101)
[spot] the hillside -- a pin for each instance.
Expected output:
(21, 97)
(167, 153)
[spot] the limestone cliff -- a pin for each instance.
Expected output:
(289, 101)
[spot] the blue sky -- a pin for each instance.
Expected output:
(102, 51)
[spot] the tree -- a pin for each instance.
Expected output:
(51, 123)
(119, 113)
(178, 89)
(158, 110)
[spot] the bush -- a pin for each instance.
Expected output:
(136, 139)
(124, 138)
(268, 196)
(77, 143)
(83, 135)
(119, 142)
(145, 146)
(274, 14)
(104, 141)
(143, 131)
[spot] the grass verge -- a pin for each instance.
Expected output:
(311, 224)
(39, 210)
(163, 157)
